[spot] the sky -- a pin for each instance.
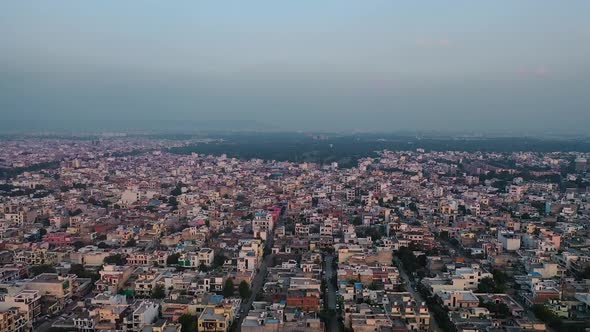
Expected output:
(511, 66)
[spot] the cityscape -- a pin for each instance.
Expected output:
(295, 166)
(124, 233)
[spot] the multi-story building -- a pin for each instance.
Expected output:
(142, 314)
(26, 302)
(36, 256)
(203, 257)
(12, 320)
(113, 277)
(214, 319)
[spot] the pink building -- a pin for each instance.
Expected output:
(58, 239)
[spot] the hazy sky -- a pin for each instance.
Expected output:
(387, 65)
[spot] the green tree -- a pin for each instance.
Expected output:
(357, 221)
(218, 260)
(39, 269)
(422, 260)
(228, 288)
(42, 232)
(546, 315)
(501, 310)
(78, 244)
(188, 323)
(158, 292)
(177, 190)
(486, 285)
(131, 243)
(408, 259)
(116, 259)
(80, 271)
(244, 289)
(172, 259)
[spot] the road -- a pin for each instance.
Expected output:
(258, 281)
(415, 295)
(330, 303)
(46, 325)
(255, 288)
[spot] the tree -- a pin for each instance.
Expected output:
(80, 271)
(357, 221)
(228, 288)
(422, 260)
(546, 315)
(131, 243)
(116, 259)
(172, 259)
(173, 202)
(75, 212)
(39, 269)
(408, 259)
(42, 232)
(486, 285)
(244, 289)
(177, 190)
(218, 260)
(188, 323)
(501, 310)
(373, 286)
(78, 244)
(158, 292)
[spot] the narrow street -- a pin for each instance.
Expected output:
(258, 280)
(415, 294)
(255, 288)
(330, 299)
(45, 325)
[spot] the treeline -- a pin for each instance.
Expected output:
(12, 172)
(347, 149)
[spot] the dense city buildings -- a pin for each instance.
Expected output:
(121, 234)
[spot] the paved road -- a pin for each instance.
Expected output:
(46, 325)
(258, 281)
(256, 287)
(416, 295)
(330, 300)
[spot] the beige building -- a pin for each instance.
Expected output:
(215, 319)
(113, 277)
(52, 284)
(12, 320)
(26, 302)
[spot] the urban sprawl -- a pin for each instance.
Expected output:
(119, 234)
